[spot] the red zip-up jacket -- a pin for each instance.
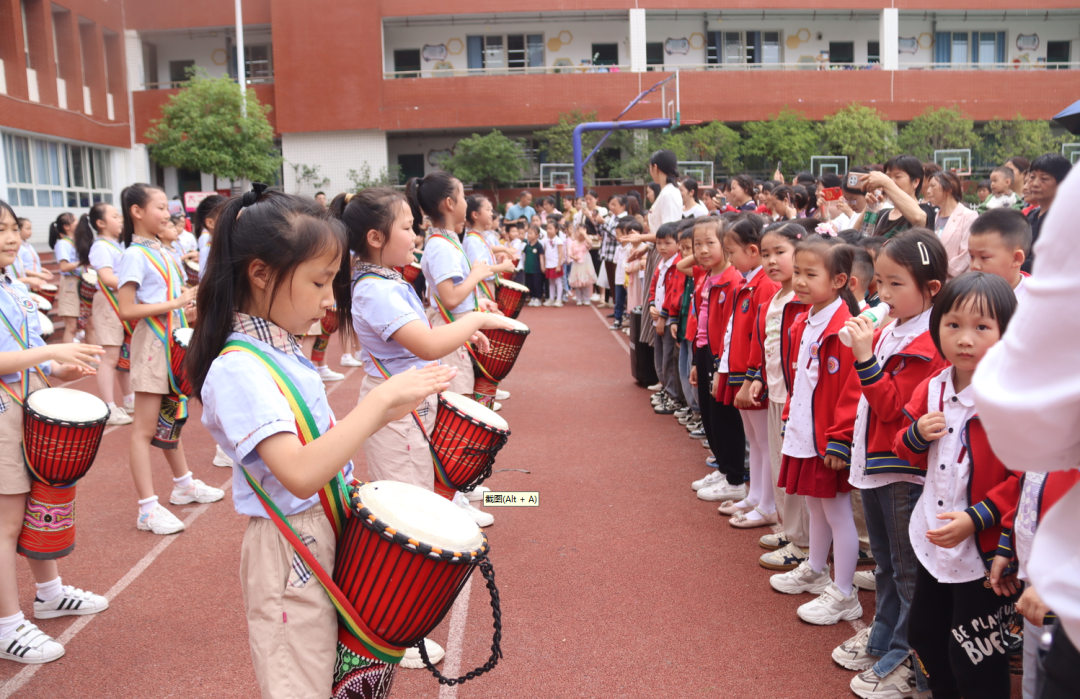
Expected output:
(887, 390)
(836, 396)
(670, 305)
(1054, 487)
(721, 304)
(700, 274)
(992, 489)
(755, 370)
(748, 301)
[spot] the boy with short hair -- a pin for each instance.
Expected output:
(533, 266)
(663, 297)
(862, 276)
(999, 243)
(1001, 194)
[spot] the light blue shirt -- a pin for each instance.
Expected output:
(187, 242)
(204, 253)
(476, 249)
(517, 211)
(135, 267)
(21, 313)
(441, 261)
(381, 307)
(106, 253)
(30, 258)
(65, 252)
(242, 406)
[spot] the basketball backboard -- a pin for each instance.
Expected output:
(956, 160)
(835, 164)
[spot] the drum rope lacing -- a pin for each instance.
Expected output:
(488, 572)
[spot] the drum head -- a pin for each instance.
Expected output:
(415, 264)
(518, 326)
(422, 515)
(68, 405)
(42, 302)
(90, 277)
(514, 285)
(49, 287)
(193, 265)
(183, 336)
(475, 410)
(47, 328)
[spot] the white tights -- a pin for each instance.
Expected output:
(555, 289)
(832, 522)
(761, 495)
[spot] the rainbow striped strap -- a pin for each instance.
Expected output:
(456, 244)
(22, 337)
(110, 295)
(440, 469)
(485, 286)
(449, 318)
(163, 331)
(333, 499)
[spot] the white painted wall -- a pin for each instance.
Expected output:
(335, 152)
(209, 50)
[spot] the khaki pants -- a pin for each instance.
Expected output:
(292, 625)
(399, 451)
(459, 358)
(14, 477)
(791, 508)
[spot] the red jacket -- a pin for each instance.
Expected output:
(700, 274)
(1054, 487)
(887, 390)
(755, 370)
(992, 489)
(748, 302)
(670, 305)
(721, 304)
(836, 396)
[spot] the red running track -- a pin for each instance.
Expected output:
(620, 584)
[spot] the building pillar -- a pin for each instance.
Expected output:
(889, 38)
(637, 40)
(139, 159)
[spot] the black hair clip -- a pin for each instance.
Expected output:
(257, 189)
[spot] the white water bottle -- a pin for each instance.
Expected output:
(879, 314)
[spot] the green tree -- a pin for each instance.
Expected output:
(557, 141)
(362, 178)
(1002, 139)
(937, 129)
(202, 128)
(860, 133)
(307, 174)
(714, 142)
(788, 137)
(490, 160)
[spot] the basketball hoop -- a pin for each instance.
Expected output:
(559, 186)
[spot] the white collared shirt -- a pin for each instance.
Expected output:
(774, 363)
(1020, 290)
(799, 438)
(946, 487)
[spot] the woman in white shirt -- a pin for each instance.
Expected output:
(691, 205)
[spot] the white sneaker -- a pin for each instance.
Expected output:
(865, 580)
(477, 493)
(117, 416)
(898, 684)
(221, 458)
(30, 645)
(160, 521)
(851, 654)
(412, 659)
(831, 606)
(80, 336)
(496, 407)
(722, 490)
(328, 374)
(656, 387)
(709, 480)
(548, 303)
(482, 519)
(801, 579)
(594, 298)
(558, 304)
(196, 492)
(501, 394)
(71, 602)
(129, 406)
(350, 361)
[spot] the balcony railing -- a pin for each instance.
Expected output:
(721, 67)
(176, 84)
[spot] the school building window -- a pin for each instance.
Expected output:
(873, 52)
(605, 54)
(841, 52)
(55, 174)
(513, 51)
(749, 47)
(1057, 52)
(654, 55)
(969, 47)
(406, 61)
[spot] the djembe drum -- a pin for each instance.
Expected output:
(410, 272)
(42, 302)
(49, 291)
(191, 267)
(171, 417)
(88, 286)
(401, 561)
(181, 341)
(124, 363)
(47, 328)
(62, 429)
(464, 441)
(511, 298)
(327, 327)
(494, 365)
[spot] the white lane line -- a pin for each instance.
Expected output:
(617, 334)
(456, 640)
(26, 674)
(338, 384)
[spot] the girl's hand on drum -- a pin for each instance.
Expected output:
(405, 391)
(79, 354)
(186, 297)
(497, 322)
(489, 306)
(70, 372)
(480, 340)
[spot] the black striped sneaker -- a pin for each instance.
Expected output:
(71, 602)
(29, 645)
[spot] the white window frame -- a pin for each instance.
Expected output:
(52, 184)
(722, 48)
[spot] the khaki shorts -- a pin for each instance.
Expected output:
(14, 478)
(459, 358)
(399, 451)
(108, 329)
(292, 624)
(149, 362)
(67, 297)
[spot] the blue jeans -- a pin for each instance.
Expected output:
(620, 303)
(686, 360)
(888, 511)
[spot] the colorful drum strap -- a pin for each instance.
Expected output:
(334, 500)
(163, 330)
(110, 295)
(485, 286)
(22, 337)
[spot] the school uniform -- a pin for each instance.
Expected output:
(29, 257)
(757, 290)
(665, 294)
(149, 358)
(382, 304)
(552, 268)
(889, 486)
(951, 601)
(821, 405)
(204, 252)
(687, 331)
(20, 313)
(477, 247)
(187, 242)
(444, 259)
(67, 295)
(292, 624)
(108, 328)
(532, 266)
